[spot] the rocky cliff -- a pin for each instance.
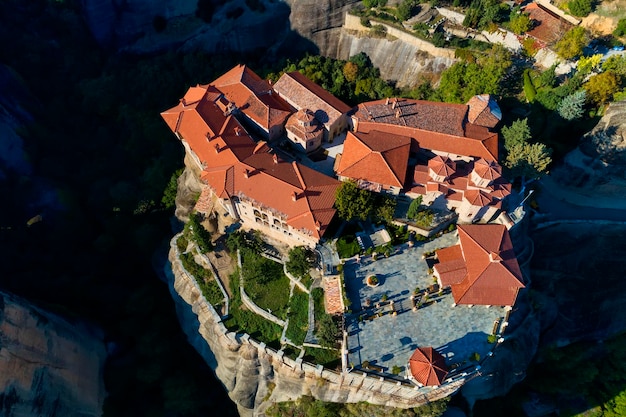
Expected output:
(594, 171)
(256, 376)
(145, 26)
(48, 367)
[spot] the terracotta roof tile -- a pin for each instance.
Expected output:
(548, 27)
(303, 93)
(484, 111)
(493, 274)
(253, 96)
(428, 366)
(375, 157)
(274, 184)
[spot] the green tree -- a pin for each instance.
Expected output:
(572, 43)
(572, 106)
(406, 9)
(620, 30)
(548, 77)
(601, 87)
(520, 23)
(518, 133)
(385, 207)
(414, 208)
(528, 161)
(300, 261)
(169, 194)
(587, 64)
(616, 407)
(352, 202)
(580, 8)
(529, 89)
(198, 233)
(350, 71)
(617, 64)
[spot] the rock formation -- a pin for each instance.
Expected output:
(297, 26)
(594, 171)
(48, 366)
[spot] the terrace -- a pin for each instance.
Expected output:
(387, 340)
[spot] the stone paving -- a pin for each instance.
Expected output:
(455, 331)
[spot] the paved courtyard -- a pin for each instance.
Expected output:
(456, 332)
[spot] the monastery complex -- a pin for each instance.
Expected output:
(445, 154)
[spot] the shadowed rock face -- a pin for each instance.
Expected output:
(148, 25)
(579, 268)
(48, 367)
(607, 141)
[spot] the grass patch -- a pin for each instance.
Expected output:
(298, 317)
(329, 358)
(244, 321)
(347, 246)
(265, 283)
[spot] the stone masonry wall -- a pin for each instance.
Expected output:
(246, 367)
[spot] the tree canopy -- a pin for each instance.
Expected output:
(515, 134)
(572, 106)
(300, 261)
(572, 43)
(520, 23)
(353, 203)
(601, 87)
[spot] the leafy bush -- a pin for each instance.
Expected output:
(520, 23)
(196, 231)
(347, 246)
(414, 208)
(329, 358)
(182, 243)
(326, 330)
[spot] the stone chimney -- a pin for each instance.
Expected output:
(275, 158)
(237, 131)
(294, 196)
(387, 101)
(397, 113)
(246, 173)
(217, 148)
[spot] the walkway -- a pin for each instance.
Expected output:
(386, 341)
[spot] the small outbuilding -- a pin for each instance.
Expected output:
(427, 366)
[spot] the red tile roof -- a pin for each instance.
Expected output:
(442, 165)
(253, 96)
(227, 151)
(312, 209)
(436, 126)
(375, 157)
(304, 125)
(484, 111)
(488, 170)
(428, 366)
(477, 198)
(493, 275)
(303, 93)
(548, 27)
